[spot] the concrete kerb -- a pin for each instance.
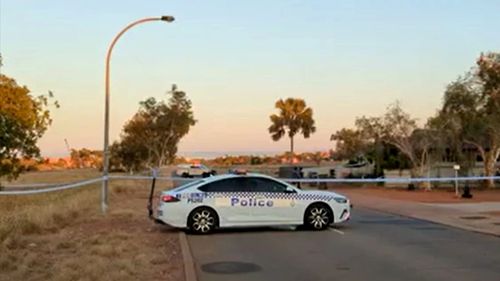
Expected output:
(187, 257)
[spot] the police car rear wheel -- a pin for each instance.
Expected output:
(202, 220)
(318, 217)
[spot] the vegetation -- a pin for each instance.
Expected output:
(469, 118)
(396, 129)
(86, 158)
(470, 114)
(63, 235)
(226, 161)
(23, 120)
(151, 137)
(294, 117)
(350, 143)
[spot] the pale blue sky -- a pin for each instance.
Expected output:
(235, 58)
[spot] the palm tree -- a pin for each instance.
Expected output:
(294, 117)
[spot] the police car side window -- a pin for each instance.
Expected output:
(225, 185)
(265, 185)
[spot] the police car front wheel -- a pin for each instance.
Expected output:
(318, 217)
(202, 220)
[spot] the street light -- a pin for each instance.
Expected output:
(105, 170)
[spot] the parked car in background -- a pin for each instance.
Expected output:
(193, 170)
(355, 168)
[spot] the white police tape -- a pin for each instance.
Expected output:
(389, 180)
(61, 186)
(50, 189)
(33, 185)
(118, 177)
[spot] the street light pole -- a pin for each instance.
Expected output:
(456, 168)
(106, 152)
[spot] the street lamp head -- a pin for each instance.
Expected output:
(167, 18)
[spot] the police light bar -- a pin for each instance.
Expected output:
(238, 171)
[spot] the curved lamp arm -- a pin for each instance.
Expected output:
(104, 191)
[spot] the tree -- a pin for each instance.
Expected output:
(377, 135)
(294, 117)
(398, 127)
(23, 120)
(86, 158)
(151, 137)
(350, 143)
(365, 140)
(372, 131)
(317, 157)
(488, 72)
(127, 155)
(470, 114)
(400, 130)
(448, 123)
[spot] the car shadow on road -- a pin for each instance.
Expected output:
(270, 229)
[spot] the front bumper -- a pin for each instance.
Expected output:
(345, 215)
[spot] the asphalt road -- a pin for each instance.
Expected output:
(372, 246)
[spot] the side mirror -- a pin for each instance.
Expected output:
(290, 190)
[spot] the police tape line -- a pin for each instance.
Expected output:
(62, 186)
(33, 185)
(117, 177)
(332, 180)
(50, 189)
(389, 180)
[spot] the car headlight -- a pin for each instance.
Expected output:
(340, 200)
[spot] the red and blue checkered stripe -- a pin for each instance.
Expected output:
(270, 195)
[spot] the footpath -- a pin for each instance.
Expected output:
(483, 217)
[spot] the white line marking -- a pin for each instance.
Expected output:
(338, 231)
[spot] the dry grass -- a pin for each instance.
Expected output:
(34, 214)
(63, 235)
(55, 176)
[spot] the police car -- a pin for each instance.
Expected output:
(245, 200)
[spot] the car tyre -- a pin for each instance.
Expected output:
(318, 216)
(202, 220)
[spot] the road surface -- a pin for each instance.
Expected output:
(372, 246)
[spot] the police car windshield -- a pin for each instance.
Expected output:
(187, 185)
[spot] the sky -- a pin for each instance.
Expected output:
(234, 59)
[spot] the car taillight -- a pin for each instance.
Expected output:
(169, 198)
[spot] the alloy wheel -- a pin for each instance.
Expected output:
(203, 221)
(318, 217)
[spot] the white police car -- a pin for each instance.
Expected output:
(242, 200)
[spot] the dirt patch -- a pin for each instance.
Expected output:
(434, 196)
(76, 242)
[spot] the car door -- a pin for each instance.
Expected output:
(229, 198)
(273, 201)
